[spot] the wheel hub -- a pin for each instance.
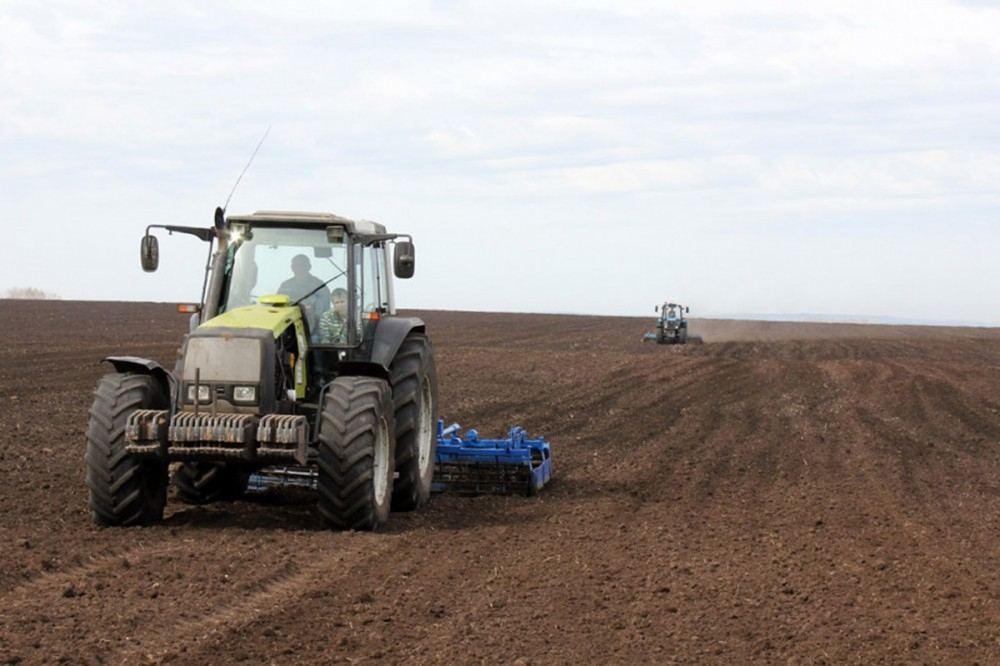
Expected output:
(424, 426)
(380, 465)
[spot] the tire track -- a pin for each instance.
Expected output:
(33, 592)
(168, 639)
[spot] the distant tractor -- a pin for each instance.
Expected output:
(297, 372)
(672, 326)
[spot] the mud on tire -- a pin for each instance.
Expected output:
(124, 489)
(203, 482)
(414, 393)
(356, 452)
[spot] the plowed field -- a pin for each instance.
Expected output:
(818, 493)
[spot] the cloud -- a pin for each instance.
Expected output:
(729, 130)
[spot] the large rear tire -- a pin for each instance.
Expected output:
(414, 394)
(124, 489)
(203, 482)
(356, 452)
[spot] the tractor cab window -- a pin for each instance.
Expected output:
(298, 263)
(373, 300)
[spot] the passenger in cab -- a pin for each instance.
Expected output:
(333, 323)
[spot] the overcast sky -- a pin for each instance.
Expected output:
(829, 158)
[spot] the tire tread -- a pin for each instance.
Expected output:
(414, 359)
(351, 411)
(115, 479)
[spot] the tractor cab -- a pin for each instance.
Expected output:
(671, 314)
(315, 262)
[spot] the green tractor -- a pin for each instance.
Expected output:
(296, 371)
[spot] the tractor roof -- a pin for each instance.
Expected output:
(300, 219)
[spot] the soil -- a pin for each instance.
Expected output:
(784, 492)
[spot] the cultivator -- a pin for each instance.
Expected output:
(468, 465)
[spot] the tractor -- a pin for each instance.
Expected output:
(296, 371)
(672, 326)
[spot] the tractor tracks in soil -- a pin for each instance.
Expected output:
(144, 604)
(289, 583)
(39, 590)
(50, 609)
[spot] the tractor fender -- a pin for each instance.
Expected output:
(389, 335)
(143, 366)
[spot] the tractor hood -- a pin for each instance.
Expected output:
(268, 317)
(274, 314)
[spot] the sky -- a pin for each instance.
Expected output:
(589, 157)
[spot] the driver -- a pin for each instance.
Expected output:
(301, 283)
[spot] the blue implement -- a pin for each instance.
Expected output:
(468, 465)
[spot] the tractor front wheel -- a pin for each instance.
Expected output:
(124, 489)
(414, 396)
(356, 453)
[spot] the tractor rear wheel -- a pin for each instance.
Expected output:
(356, 452)
(124, 489)
(203, 482)
(414, 395)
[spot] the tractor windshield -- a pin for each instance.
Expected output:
(293, 262)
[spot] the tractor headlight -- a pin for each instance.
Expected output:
(245, 393)
(204, 393)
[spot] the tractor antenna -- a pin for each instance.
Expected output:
(249, 162)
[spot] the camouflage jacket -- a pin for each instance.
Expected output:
(332, 328)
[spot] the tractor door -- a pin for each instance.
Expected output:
(372, 289)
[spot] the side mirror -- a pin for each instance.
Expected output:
(403, 261)
(149, 253)
(686, 310)
(656, 308)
